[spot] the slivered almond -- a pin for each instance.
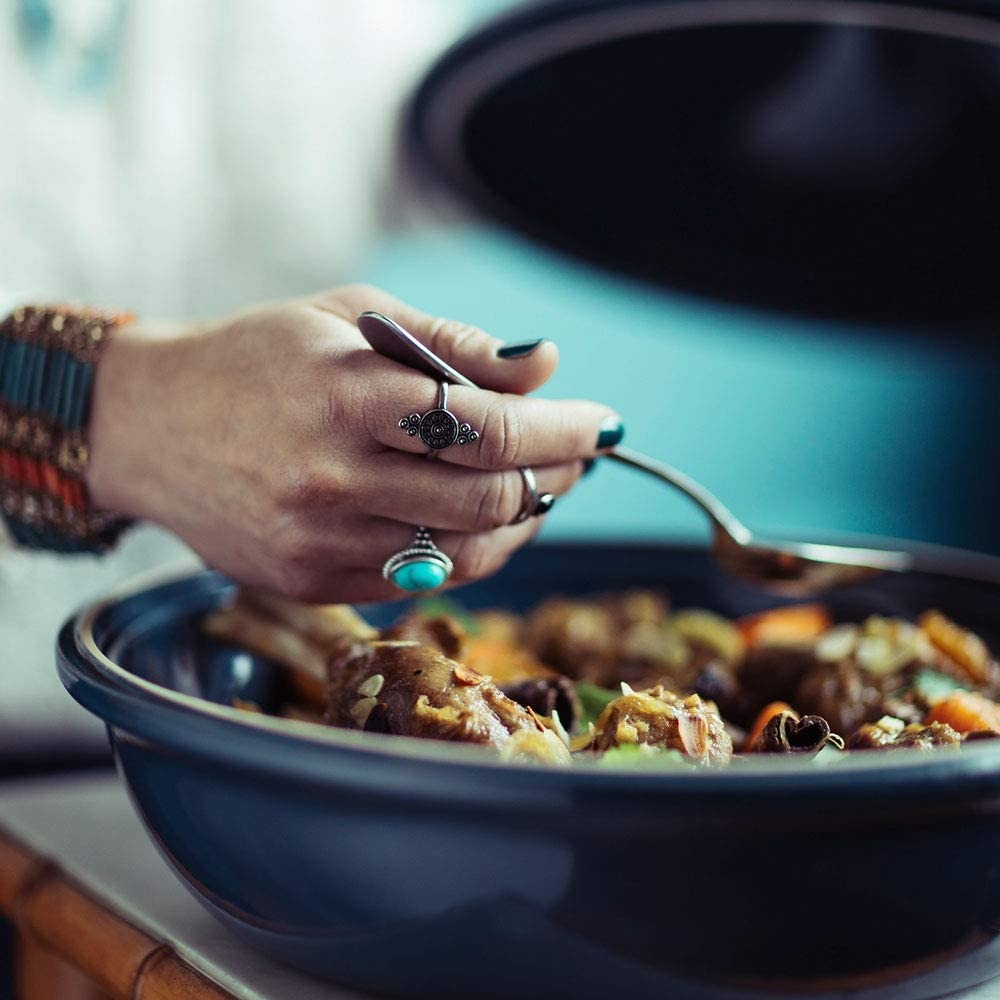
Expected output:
(372, 686)
(467, 675)
(361, 709)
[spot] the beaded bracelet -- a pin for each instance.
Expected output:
(47, 360)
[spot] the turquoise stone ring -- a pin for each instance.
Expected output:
(420, 567)
(419, 576)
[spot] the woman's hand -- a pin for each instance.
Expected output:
(270, 442)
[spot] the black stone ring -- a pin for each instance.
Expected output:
(535, 504)
(439, 428)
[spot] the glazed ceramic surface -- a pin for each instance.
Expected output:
(413, 868)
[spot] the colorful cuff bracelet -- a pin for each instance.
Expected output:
(47, 360)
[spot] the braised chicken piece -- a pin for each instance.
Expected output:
(408, 689)
(516, 671)
(440, 632)
(302, 638)
(658, 717)
(894, 734)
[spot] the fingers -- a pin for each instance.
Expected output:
(510, 431)
(476, 554)
(352, 573)
(414, 491)
(518, 368)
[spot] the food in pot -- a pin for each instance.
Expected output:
(627, 680)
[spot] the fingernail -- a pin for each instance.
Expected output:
(611, 432)
(519, 350)
(588, 465)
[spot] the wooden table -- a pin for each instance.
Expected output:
(100, 916)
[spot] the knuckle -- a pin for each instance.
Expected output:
(447, 335)
(503, 440)
(492, 503)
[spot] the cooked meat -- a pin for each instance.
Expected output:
(772, 672)
(791, 677)
(893, 734)
(523, 677)
(841, 693)
(717, 682)
(660, 718)
(626, 637)
(408, 689)
(440, 632)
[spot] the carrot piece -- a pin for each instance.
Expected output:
(764, 716)
(796, 623)
(966, 712)
(503, 661)
(957, 643)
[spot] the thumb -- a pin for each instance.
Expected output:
(491, 364)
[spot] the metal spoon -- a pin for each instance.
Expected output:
(792, 568)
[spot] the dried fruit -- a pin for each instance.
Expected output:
(958, 644)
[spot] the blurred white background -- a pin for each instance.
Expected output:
(182, 158)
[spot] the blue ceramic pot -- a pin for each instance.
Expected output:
(412, 868)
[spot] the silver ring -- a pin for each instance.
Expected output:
(420, 566)
(439, 428)
(535, 503)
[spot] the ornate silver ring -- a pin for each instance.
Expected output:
(439, 428)
(535, 503)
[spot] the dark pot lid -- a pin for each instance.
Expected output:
(823, 157)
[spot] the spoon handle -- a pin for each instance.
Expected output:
(720, 515)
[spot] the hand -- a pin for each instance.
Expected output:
(270, 442)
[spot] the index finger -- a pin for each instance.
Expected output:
(483, 429)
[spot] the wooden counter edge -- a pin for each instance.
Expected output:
(44, 903)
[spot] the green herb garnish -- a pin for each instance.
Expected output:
(593, 701)
(640, 756)
(934, 687)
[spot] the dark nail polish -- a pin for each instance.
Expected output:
(611, 432)
(588, 465)
(519, 350)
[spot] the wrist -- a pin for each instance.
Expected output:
(128, 382)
